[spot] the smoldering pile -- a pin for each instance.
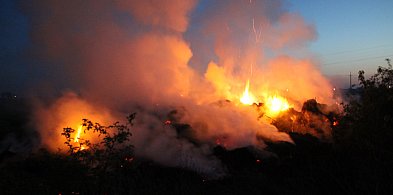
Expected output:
(315, 120)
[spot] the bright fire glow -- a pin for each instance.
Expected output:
(78, 134)
(247, 97)
(276, 104)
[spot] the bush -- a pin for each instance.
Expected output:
(365, 132)
(369, 118)
(113, 152)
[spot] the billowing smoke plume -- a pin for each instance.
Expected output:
(183, 61)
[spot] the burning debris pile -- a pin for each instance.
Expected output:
(314, 119)
(196, 143)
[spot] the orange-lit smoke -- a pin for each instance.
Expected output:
(244, 32)
(68, 111)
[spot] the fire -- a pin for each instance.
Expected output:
(247, 97)
(273, 104)
(78, 135)
(276, 104)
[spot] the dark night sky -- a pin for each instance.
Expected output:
(13, 42)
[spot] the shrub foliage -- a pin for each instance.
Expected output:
(111, 152)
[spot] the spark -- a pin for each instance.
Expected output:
(257, 34)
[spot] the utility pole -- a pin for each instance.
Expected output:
(350, 80)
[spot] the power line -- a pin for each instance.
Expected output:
(364, 54)
(359, 49)
(355, 60)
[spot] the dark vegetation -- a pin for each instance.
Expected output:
(105, 156)
(358, 159)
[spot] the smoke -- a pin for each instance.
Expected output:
(154, 57)
(67, 111)
(250, 40)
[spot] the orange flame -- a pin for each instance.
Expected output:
(275, 105)
(78, 135)
(247, 97)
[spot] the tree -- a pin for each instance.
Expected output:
(368, 120)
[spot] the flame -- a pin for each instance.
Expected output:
(247, 97)
(276, 104)
(273, 104)
(78, 134)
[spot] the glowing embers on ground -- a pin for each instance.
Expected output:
(247, 97)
